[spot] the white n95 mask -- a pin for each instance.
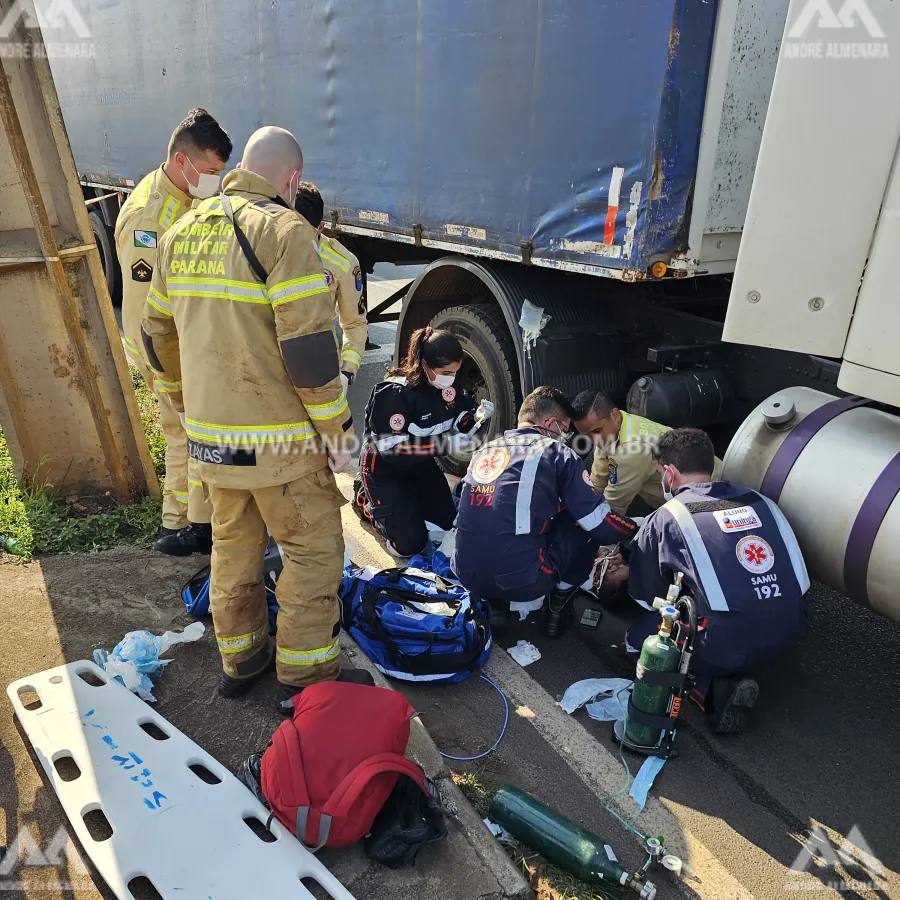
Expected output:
(442, 381)
(207, 185)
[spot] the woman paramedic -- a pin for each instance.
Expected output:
(416, 414)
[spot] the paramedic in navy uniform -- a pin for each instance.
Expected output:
(530, 523)
(740, 561)
(417, 413)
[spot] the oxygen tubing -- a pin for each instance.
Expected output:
(502, 731)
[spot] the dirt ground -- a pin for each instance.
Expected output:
(59, 609)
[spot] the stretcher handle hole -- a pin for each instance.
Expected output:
(260, 830)
(315, 888)
(204, 774)
(66, 767)
(97, 824)
(29, 698)
(91, 678)
(154, 731)
(142, 888)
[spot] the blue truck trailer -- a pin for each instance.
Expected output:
(575, 173)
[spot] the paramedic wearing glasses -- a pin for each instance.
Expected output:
(417, 413)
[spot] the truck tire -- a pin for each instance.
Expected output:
(103, 236)
(490, 369)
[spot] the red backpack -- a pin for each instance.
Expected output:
(330, 769)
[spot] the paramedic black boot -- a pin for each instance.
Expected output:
(498, 615)
(287, 692)
(730, 698)
(358, 502)
(192, 539)
(557, 612)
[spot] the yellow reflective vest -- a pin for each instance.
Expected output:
(258, 362)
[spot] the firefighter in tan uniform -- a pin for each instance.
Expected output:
(198, 151)
(624, 467)
(261, 397)
(344, 277)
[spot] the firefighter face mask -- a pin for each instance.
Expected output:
(206, 186)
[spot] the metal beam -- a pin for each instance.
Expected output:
(69, 405)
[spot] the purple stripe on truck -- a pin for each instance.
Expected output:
(795, 443)
(865, 528)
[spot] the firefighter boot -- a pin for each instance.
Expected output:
(195, 538)
(232, 688)
(286, 692)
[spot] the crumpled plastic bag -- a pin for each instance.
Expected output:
(611, 709)
(524, 653)
(137, 656)
(499, 832)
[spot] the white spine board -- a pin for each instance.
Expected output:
(186, 836)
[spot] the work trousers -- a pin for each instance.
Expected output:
(184, 499)
(720, 650)
(401, 498)
(304, 518)
(499, 573)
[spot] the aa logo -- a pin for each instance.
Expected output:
(46, 14)
(853, 855)
(25, 852)
(820, 14)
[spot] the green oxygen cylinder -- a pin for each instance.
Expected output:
(574, 849)
(660, 653)
(11, 545)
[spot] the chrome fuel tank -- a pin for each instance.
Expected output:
(833, 466)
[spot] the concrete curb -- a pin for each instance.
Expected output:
(423, 750)
(364, 550)
(596, 765)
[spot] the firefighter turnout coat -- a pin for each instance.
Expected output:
(151, 209)
(345, 281)
(627, 469)
(258, 363)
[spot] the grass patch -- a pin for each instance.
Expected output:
(39, 521)
(548, 881)
(149, 408)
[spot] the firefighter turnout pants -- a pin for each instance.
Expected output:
(304, 518)
(184, 499)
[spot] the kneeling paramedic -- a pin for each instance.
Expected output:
(240, 313)
(419, 412)
(529, 521)
(741, 563)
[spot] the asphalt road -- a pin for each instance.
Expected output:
(820, 752)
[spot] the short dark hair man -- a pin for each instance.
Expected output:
(529, 521)
(623, 467)
(199, 149)
(741, 563)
